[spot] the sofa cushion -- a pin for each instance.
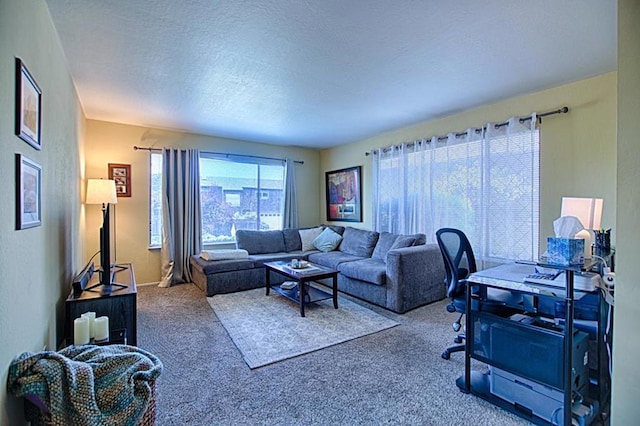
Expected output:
(327, 240)
(421, 239)
(385, 241)
(358, 242)
(401, 242)
(257, 242)
(299, 254)
(260, 259)
(292, 240)
(332, 259)
(370, 270)
(307, 236)
(335, 228)
(214, 266)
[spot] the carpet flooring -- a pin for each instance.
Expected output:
(270, 329)
(393, 377)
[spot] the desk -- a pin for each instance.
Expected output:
(117, 303)
(510, 277)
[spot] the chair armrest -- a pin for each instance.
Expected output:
(415, 277)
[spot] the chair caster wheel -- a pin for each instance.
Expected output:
(445, 355)
(457, 340)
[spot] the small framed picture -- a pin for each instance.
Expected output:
(28, 106)
(28, 193)
(344, 195)
(121, 174)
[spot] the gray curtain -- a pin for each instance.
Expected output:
(290, 214)
(181, 214)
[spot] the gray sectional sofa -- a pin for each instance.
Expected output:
(393, 271)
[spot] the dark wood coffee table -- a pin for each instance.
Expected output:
(303, 277)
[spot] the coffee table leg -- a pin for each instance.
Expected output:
(268, 280)
(335, 291)
(301, 293)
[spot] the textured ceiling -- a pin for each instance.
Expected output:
(321, 73)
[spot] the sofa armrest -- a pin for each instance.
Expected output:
(415, 277)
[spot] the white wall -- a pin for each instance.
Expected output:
(37, 264)
(626, 372)
(113, 143)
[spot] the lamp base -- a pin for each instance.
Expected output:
(586, 236)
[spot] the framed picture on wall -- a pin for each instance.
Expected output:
(28, 193)
(28, 106)
(121, 174)
(344, 195)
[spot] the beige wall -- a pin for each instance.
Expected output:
(626, 373)
(578, 149)
(113, 143)
(37, 264)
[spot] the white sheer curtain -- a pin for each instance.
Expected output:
(181, 214)
(485, 183)
(512, 196)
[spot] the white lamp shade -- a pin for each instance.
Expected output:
(101, 191)
(587, 210)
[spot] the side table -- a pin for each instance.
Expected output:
(117, 303)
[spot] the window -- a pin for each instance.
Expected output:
(239, 193)
(155, 205)
(235, 193)
(484, 183)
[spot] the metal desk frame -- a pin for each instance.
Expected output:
(537, 290)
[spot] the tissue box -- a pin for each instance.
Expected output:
(565, 251)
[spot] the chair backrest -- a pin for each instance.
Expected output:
(459, 260)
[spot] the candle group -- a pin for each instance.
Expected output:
(88, 327)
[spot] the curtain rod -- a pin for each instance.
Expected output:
(149, 148)
(562, 110)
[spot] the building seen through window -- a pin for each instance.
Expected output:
(238, 193)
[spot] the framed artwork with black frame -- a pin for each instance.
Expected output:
(28, 106)
(344, 194)
(28, 193)
(121, 174)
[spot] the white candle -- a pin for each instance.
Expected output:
(92, 317)
(101, 326)
(81, 331)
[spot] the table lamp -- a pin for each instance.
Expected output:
(589, 213)
(103, 191)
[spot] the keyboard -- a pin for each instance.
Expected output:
(547, 278)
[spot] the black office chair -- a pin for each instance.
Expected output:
(459, 263)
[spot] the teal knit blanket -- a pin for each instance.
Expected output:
(88, 385)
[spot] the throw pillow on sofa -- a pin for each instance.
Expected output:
(401, 242)
(385, 241)
(328, 240)
(358, 242)
(307, 236)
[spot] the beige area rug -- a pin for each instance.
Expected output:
(268, 329)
